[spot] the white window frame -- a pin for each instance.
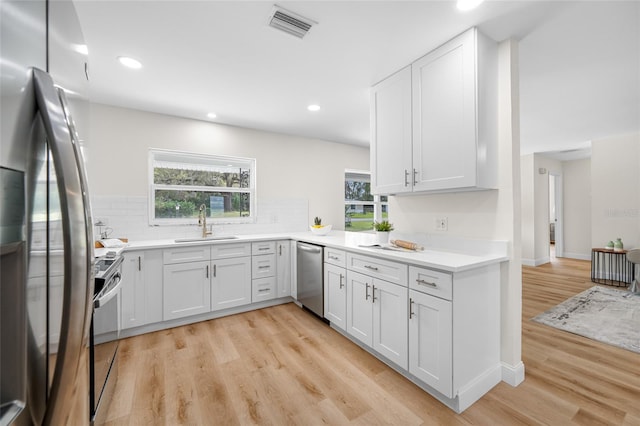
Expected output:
(377, 203)
(198, 158)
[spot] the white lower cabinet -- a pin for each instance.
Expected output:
(283, 268)
(377, 315)
(230, 283)
(263, 289)
(335, 295)
(430, 341)
(390, 314)
(187, 289)
(141, 291)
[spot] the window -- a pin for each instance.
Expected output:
(181, 182)
(361, 208)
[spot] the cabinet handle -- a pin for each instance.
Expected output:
(341, 278)
(410, 308)
(215, 271)
(264, 267)
(423, 282)
(373, 293)
(415, 179)
(373, 268)
(406, 177)
(366, 291)
(139, 263)
(280, 247)
(262, 290)
(334, 257)
(263, 248)
(207, 271)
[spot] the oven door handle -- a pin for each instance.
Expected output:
(105, 298)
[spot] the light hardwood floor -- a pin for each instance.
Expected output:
(281, 366)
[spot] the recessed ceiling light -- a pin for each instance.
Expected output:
(129, 62)
(313, 107)
(465, 5)
(212, 115)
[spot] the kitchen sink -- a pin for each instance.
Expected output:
(195, 240)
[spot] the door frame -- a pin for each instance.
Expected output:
(558, 199)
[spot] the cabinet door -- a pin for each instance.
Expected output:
(359, 307)
(430, 341)
(133, 307)
(187, 289)
(230, 283)
(444, 116)
(391, 165)
(283, 268)
(390, 315)
(152, 270)
(335, 295)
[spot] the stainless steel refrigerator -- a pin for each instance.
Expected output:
(46, 236)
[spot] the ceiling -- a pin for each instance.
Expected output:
(579, 62)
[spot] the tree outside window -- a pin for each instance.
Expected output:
(361, 207)
(182, 182)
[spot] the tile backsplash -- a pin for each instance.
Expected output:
(128, 217)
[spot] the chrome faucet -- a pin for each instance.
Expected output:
(202, 221)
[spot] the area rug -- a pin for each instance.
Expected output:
(605, 314)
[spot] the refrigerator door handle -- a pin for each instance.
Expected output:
(78, 245)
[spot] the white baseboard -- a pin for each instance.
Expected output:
(480, 386)
(578, 256)
(535, 262)
(513, 374)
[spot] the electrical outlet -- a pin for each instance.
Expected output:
(442, 224)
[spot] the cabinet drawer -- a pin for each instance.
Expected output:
(263, 289)
(263, 266)
(186, 254)
(385, 270)
(429, 281)
(265, 247)
(335, 257)
(226, 251)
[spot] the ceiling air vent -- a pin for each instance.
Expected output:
(290, 22)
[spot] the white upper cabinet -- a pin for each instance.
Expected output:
(391, 164)
(452, 121)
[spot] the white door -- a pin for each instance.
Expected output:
(230, 283)
(283, 268)
(335, 295)
(390, 316)
(391, 166)
(444, 123)
(430, 341)
(359, 307)
(187, 289)
(132, 290)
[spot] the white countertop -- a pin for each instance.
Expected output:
(456, 255)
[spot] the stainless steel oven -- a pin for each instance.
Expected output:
(104, 335)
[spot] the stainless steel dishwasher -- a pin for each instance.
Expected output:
(310, 277)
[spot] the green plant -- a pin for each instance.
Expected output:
(317, 221)
(383, 226)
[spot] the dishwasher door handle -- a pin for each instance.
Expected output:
(310, 249)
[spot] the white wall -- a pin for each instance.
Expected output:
(290, 170)
(577, 208)
(615, 188)
(528, 210)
